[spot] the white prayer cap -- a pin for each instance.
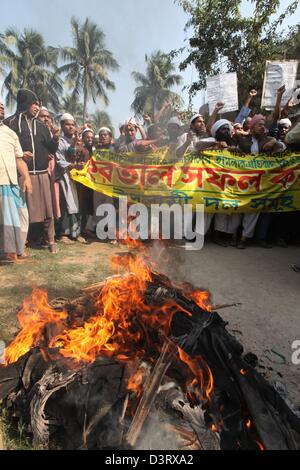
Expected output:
(196, 116)
(285, 122)
(131, 121)
(87, 129)
(67, 117)
(106, 129)
(175, 120)
(220, 123)
(43, 108)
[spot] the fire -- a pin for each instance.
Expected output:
(202, 374)
(260, 446)
(113, 331)
(135, 383)
(202, 299)
(124, 326)
(199, 296)
(33, 317)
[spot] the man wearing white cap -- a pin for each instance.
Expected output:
(174, 127)
(128, 141)
(224, 223)
(105, 139)
(196, 138)
(69, 228)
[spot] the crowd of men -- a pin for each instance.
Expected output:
(40, 204)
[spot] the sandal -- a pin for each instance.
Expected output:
(9, 258)
(66, 241)
(82, 240)
(23, 257)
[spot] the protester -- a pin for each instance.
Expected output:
(257, 142)
(69, 227)
(129, 142)
(226, 225)
(243, 116)
(36, 142)
(196, 138)
(174, 127)
(84, 151)
(246, 134)
(105, 143)
(14, 217)
(106, 139)
(45, 117)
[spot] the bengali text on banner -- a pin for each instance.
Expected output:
(223, 182)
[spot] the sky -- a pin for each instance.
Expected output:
(133, 28)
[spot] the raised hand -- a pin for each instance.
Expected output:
(147, 118)
(252, 93)
(167, 104)
(220, 105)
(281, 90)
(55, 132)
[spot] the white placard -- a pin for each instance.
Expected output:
(278, 74)
(222, 88)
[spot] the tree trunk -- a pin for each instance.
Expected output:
(154, 108)
(84, 100)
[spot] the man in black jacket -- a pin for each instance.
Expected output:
(37, 141)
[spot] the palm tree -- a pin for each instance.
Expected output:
(101, 119)
(154, 86)
(28, 63)
(88, 63)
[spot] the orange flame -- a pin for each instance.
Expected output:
(135, 382)
(121, 327)
(260, 446)
(202, 374)
(110, 332)
(34, 316)
(243, 372)
(202, 299)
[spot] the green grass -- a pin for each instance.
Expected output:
(15, 436)
(63, 275)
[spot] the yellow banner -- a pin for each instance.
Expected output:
(224, 182)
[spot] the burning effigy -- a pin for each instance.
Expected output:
(134, 353)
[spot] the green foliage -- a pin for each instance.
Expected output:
(225, 40)
(88, 62)
(101, 119)
(155, 86)
(27, 63)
